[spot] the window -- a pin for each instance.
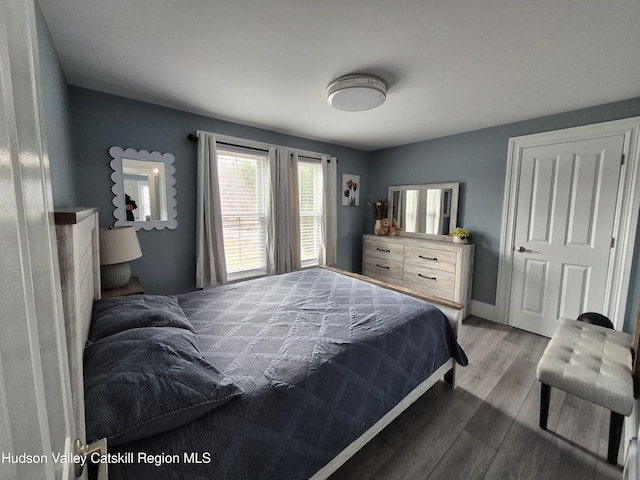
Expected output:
(310, 189)
(243, 178)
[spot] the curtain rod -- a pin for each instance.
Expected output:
(194, 139)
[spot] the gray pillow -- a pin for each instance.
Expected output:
(145, 381)
(113, 315)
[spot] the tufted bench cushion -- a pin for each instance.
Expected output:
(591, 362)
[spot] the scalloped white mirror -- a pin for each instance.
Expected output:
(144, 189)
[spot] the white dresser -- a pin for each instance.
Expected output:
(440, 268)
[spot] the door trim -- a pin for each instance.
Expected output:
(625, 222)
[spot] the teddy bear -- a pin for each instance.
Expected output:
(386, 227)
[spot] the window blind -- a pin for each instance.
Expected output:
(310, 191)
(243, 177)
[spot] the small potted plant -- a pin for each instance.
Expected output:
(460, 235)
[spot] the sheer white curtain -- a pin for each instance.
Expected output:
(434, 207)
(211, 268)
(411, 221)
(329, 223)
(421, 210)
(283, 239)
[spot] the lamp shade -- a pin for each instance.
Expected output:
(118, 245)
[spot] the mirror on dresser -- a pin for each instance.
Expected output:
(424, 210)
(143, 185)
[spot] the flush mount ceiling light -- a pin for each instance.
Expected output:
(355, 93)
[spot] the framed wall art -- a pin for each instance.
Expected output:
(350, 190)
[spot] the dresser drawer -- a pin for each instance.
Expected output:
(384, 270)
(430, 258)
(430, 267)
(387, 251)
(436, 282)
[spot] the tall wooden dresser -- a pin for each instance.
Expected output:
(440, 268)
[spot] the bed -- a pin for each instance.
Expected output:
(280, 377)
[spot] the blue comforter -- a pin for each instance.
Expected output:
(320, 357)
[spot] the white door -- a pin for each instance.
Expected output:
(565, 213)
(36, 412)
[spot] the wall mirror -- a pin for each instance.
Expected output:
(425, 210)
(144, 188)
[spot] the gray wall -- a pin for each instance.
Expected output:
(478, 160)
(80, 125)
(100, 121)
(56, 127)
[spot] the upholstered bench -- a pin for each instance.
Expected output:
(595, 364)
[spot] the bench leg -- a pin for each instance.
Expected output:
(545, 395)
(615, 433)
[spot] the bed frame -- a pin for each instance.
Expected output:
(78, 247)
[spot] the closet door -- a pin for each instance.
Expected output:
(566, 205)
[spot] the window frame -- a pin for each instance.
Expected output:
(318, 181)
(261, 216)
(251, 146)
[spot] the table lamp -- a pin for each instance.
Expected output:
(118, 246)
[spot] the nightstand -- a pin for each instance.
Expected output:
(132, 288)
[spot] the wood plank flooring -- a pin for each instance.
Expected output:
(487, 428)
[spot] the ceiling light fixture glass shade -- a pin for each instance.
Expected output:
(356, 93)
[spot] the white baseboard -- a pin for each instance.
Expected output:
(483, 310)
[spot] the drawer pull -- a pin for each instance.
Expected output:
(383, 266)
(428, 258)
(383, 249)
(427, 277)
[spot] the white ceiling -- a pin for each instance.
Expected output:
(451, 65)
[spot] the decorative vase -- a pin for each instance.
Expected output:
(460, 240)
(377, 226)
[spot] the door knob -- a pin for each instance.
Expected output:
(521, 249)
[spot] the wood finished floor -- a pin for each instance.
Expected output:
(488, 427)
